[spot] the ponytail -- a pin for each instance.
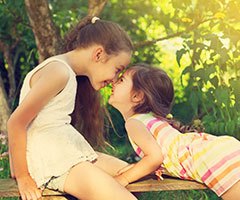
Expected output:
(70, 40)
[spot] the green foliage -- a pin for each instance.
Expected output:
(4, 164)
(213, 71)
(71, 14)
(17, 35)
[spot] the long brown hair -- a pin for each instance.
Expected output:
(158, 91)
(89, 112)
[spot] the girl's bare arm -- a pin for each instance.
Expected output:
(50, 81)
(152, 153)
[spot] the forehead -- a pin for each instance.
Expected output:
(127, 75)
(129, 72)
(124, 58)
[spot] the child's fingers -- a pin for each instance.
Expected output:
(118, 173)
(38, 193)
(122, 170)
(158, 173)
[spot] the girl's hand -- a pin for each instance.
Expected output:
(125, 169)
(122, 180)
(28, 188)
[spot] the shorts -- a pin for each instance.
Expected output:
(57, 183)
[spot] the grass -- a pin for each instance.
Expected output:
(179, 195)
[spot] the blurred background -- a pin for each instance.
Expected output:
(197, 42)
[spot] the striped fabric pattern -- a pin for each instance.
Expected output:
(212, 160)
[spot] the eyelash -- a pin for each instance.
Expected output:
(120, 79)
(118, 70)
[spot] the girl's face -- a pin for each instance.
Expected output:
(108, 69)
(122, 97)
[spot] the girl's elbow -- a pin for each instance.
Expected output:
(13, 126)
(10, 123)
(10, 127)
(158, 160)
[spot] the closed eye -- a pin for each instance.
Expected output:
(120, 79)
(118, 71)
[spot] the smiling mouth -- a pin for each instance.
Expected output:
(112, 91)
(104, 84)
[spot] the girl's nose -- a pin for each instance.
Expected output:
(113, 84)
(115, 79)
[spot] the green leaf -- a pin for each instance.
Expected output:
(221, 127)
(180, 53)
(222, 95)
(199, 73)
(235, 85)
(223, 56)
(230, 127)
(193, 98)
(214, 81)
(187, 69)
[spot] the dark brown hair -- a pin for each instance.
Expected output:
(158, 91)
(157, 88)
(88, 114)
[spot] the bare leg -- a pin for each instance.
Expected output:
(109, 164)
(87, 182)
(233, 193)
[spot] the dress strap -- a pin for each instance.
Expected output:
(54, 58)
(51, 59)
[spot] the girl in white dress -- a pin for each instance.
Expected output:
(45, 149)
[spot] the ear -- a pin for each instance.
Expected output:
(137, 97)
(99, 54)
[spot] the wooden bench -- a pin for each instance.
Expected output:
(8, 187)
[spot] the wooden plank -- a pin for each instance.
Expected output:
(8, 187)
(151, 184)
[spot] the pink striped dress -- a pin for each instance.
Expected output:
(212, 160)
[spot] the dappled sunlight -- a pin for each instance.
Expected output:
(197, 42)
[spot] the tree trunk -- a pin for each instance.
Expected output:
(7, 53)
(5, 100)
(4, 108)
(46, 34)
(95, 7)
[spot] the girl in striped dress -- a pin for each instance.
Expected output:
(144, 96)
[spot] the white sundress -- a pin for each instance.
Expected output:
(53, 144)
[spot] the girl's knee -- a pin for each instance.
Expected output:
(84, 178)
(110, 164)
(79, 179)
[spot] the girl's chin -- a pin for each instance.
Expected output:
(110, 101)
(98, 86)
